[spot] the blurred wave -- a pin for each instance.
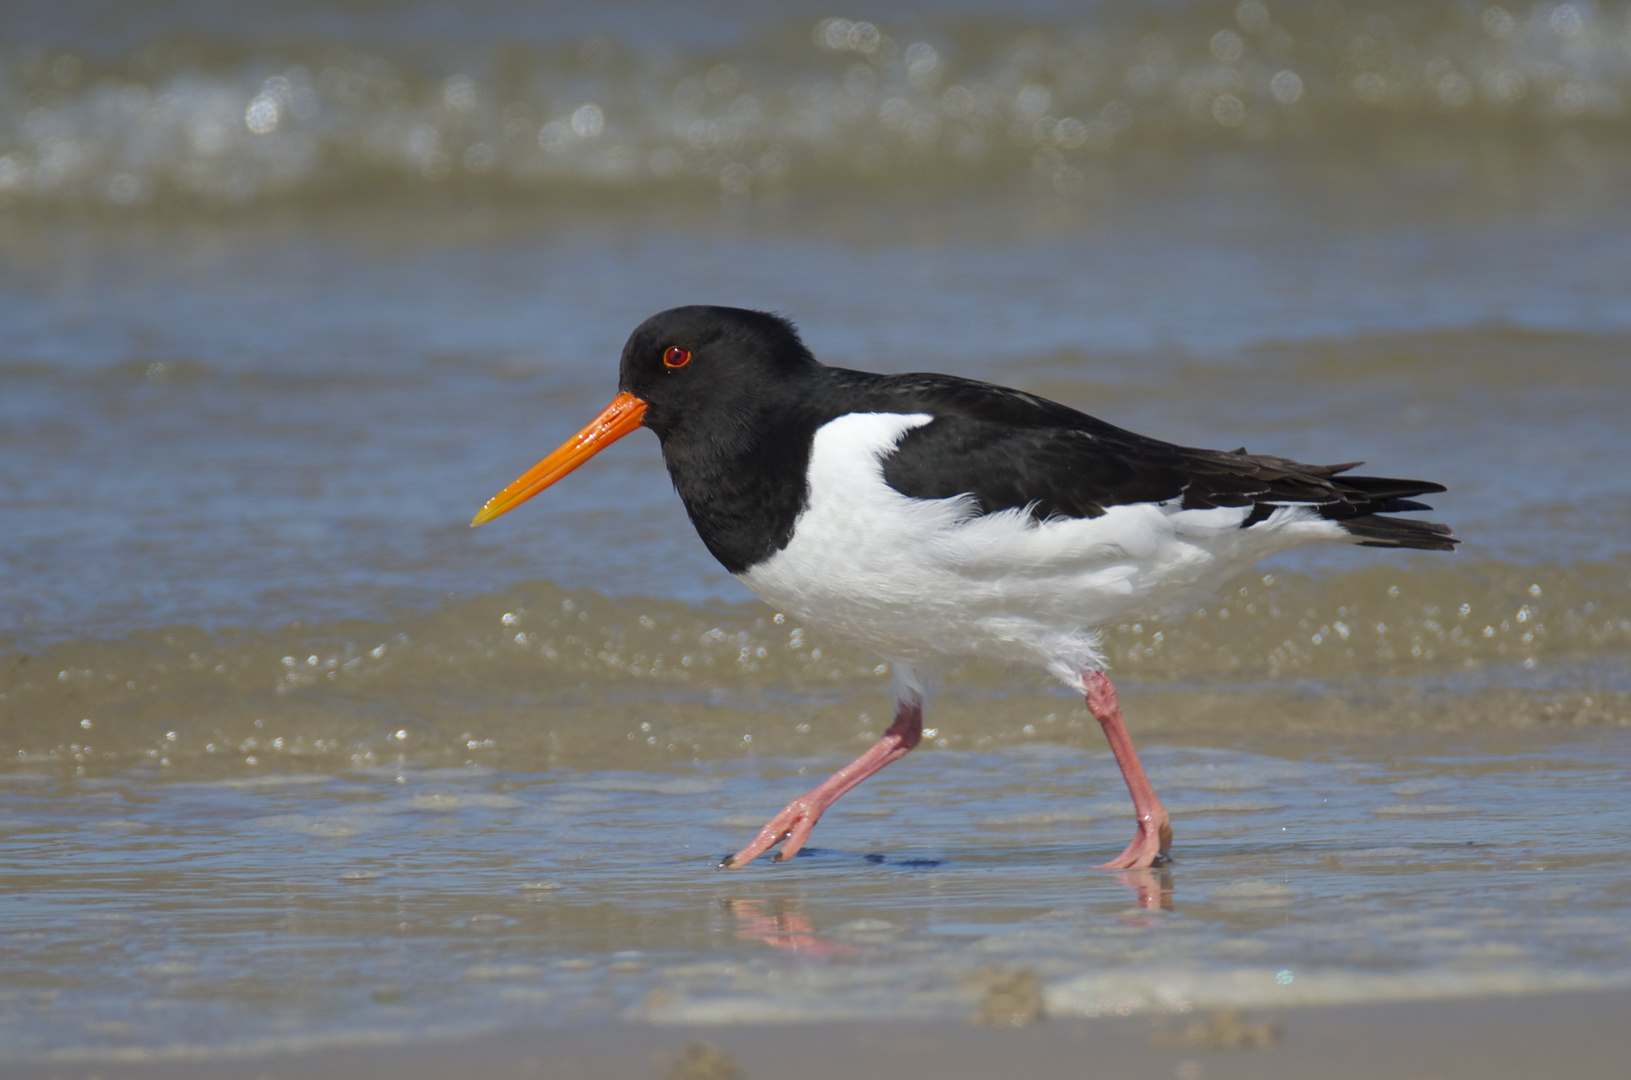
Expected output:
(241, 117)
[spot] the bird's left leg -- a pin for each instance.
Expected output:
(1154, 835)
(791, 828)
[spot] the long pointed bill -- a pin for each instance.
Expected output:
(619, 418)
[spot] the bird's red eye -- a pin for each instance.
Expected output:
(676, 357)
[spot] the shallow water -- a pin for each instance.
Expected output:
(399, 900)
(289, 755)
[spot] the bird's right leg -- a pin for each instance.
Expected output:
(791, 828)
(1154, 836)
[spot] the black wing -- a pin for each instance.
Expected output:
(1011, 450)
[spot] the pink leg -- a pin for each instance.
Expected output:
(1154, 834)
(791, 828)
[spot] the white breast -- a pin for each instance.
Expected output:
(927, 580)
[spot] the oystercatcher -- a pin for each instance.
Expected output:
(930, 518)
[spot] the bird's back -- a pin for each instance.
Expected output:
(947, 517)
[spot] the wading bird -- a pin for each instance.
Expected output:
(932, 518)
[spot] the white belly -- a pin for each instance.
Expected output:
(929, 580)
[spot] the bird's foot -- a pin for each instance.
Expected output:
(790, 828)
(1149, 847)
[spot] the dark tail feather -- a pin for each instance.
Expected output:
(1376, 531)
(1385, 487)
(1389, 495)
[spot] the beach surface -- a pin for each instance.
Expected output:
(1492, 1039)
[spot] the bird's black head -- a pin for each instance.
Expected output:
(718, 366)
(722, 388)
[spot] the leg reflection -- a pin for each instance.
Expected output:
(1152, 888)
(773, 923)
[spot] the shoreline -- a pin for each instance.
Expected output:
(1493, 1038)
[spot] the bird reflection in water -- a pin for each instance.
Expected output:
(774, 923)
(1152, 889)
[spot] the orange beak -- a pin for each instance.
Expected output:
(619, 418)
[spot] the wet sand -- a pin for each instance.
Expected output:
(1581, 1036)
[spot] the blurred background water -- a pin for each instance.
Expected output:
(291, 755)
